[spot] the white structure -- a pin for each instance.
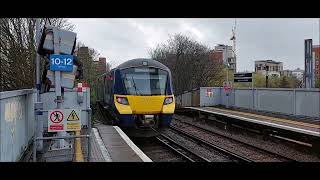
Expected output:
(298, 73)
(271, 67)
(228, 55)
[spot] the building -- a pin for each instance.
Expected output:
(298, 73)
(224, 54)
(287, 73)
(269, 67)
(316, 60)
(102, 65)
(217, 56)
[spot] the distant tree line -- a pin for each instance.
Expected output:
(189, 62)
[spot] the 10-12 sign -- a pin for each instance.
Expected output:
(61, 62)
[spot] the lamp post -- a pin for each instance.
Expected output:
(267, 76)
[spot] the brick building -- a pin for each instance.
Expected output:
(316, 58)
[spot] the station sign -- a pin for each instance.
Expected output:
(61, 62)
(242, 77)
(64, 120)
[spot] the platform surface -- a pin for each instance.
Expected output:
(110, 144)
(288, 124)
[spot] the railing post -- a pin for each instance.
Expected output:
(294, 102)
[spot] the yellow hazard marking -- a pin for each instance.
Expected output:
(271, 118)
(73, 116)
(73, 126)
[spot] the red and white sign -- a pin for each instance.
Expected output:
(209, 92)
(56, 116)
(227, 89)
(227, 86)
(82, 87)
(64, 120)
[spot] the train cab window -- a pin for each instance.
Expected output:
(145, 81)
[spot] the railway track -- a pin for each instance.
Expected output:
(164, 149)
(179, 149)
(231, 155)
(234, 142)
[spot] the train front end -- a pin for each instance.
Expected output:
(143, 98)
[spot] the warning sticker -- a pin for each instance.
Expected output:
(73, 126)
(56, 116)
(56, 127)
(60, 120)
(73, 116)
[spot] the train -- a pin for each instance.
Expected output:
(138, 97)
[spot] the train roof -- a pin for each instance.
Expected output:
(140, 61)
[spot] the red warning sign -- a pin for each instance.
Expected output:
(56, 127)
(56, 116)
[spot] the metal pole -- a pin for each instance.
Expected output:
(38, 146)
(267, 76)
(252, 91)
(227, 83)
(89, 132)
(57, 75)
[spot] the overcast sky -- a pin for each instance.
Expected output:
(278, 39)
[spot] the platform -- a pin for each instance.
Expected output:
(312, 129)
(111, 144)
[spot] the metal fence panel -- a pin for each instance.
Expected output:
(307, 103)
(300, 102)
(243, 98)
(276, 100)
(16, 123)
(178, 100)
(213, 100)
(186, 99)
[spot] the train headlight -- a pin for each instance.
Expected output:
(122, 100)
(168, 100)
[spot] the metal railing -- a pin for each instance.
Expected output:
(296, 102)
(17, 121)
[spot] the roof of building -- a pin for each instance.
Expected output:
(268, 61)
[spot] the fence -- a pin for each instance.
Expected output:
(297, 102)
(16, 123)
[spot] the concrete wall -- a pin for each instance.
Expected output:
(298, 102)
(16, 123)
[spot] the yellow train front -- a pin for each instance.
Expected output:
(138, 96)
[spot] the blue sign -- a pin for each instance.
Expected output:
(61, 62)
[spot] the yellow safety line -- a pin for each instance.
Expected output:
(270, 118)
(78, 150)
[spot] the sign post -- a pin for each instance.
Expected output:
(227, 87)
(59, 63)
(245, 77)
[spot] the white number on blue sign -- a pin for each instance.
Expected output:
(61, 62)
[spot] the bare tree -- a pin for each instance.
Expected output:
(17, 50)
(189, 62)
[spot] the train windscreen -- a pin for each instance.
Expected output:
(145, 81)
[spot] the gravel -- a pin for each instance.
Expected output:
(155, 151)
(204, 151)
(284, 148)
